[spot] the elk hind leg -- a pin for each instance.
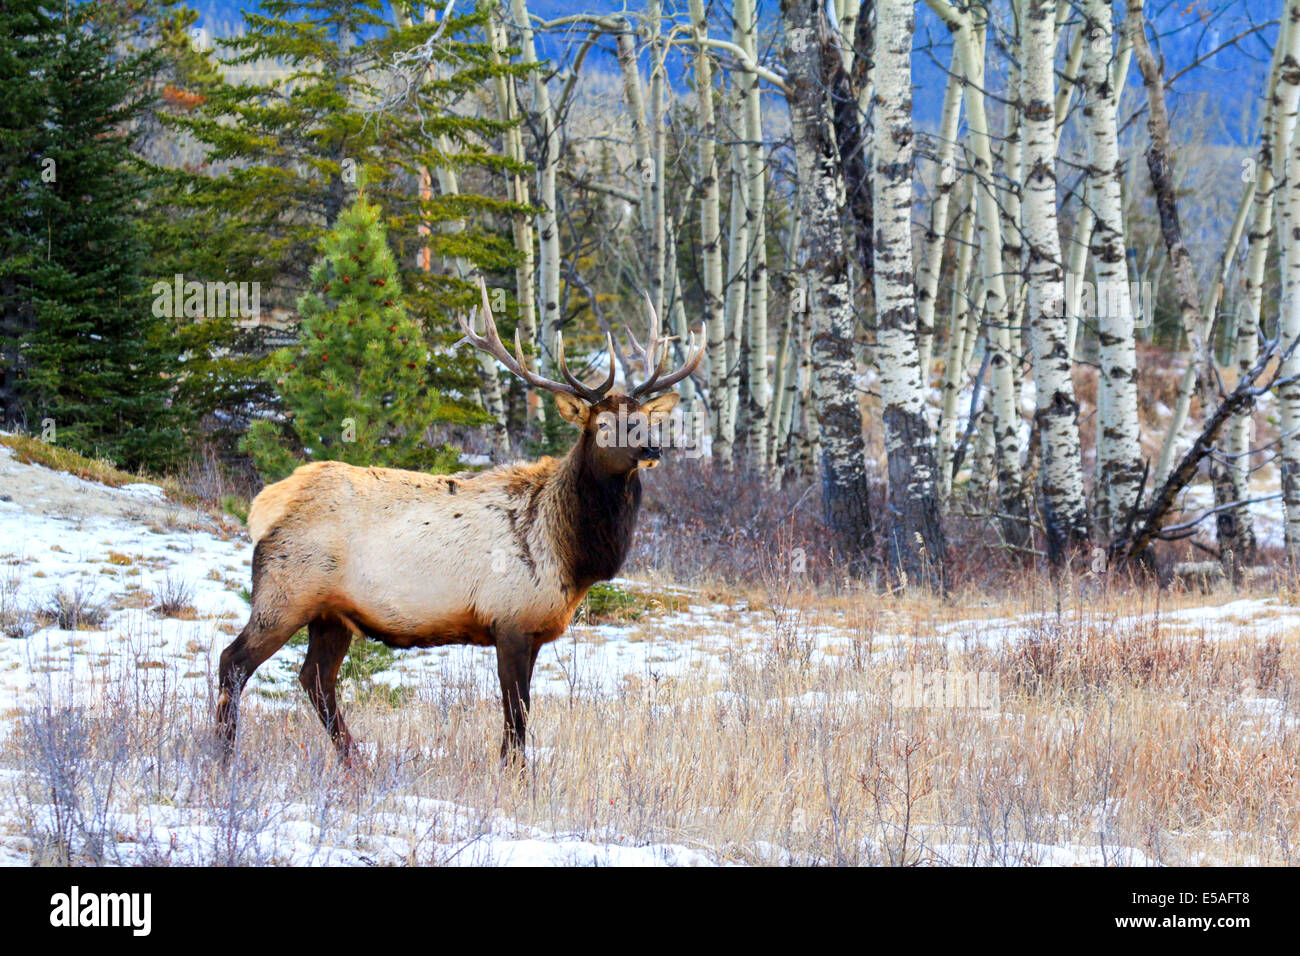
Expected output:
(330, 640)
(260, 638)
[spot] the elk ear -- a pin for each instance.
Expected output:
(660, 407)
(572, 409)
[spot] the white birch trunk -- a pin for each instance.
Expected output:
(711, 236)
(548, 161)
(1081, 241)
(936, 236)
(961, 332)
(660, 248)
(1010, 184)
(1288, 395)
(1119, 453)
(782, 368)
(521, 229)
(916, 541)
(1241, 432)
(1197, 324)
(1065, 510)
(789, 396)
(1069, 75)
(736, 289)
(808, 442)
(968, 33)
(759, 394)
(845, 502)
(680, 325)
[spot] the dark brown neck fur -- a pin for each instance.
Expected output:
(597, 514)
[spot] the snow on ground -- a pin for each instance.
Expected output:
(1260, 618)
(160, 834)
(124, 547)
(53, 538)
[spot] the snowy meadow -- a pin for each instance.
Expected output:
(671, 725)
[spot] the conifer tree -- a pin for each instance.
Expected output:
(223, 370)
(354, 389)
(288, 146)
(90, 355)
(22, 114)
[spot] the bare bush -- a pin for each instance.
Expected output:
(174, 597)
(75, 608)
(701, 522)
(17, 619)
(69, 776)
(219, 483)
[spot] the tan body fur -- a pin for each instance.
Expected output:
(421, 560)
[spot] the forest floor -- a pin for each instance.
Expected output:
(1094, 723)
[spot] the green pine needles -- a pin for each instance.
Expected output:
(82, 359)
(355, 389)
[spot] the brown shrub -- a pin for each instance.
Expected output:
(700, 522)
(212, 478)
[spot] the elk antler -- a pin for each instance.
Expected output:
(491, 344)
(655, 367)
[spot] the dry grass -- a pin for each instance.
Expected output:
(174, 597)
(1116, 728)
(33, 451)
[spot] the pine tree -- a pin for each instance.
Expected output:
(289, 145)
(22, 113)
(355, 387)
(92, 356)
(224, 361)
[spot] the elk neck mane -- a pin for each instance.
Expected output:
(592, 515)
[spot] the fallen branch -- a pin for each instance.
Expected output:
(1150, 524)
(1178, 531)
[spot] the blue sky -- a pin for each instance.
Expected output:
(1232, 80)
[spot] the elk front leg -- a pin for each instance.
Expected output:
(515, 659)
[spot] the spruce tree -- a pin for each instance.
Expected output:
(223, 372)
(193, 233)
(92, 357)
(22, 116)
(354, 389)
(288, 146)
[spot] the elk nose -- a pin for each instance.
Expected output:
(651, 453)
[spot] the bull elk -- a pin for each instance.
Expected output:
(500, 558)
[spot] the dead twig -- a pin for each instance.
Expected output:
(1133, 544)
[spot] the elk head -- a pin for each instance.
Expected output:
(619, 432)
